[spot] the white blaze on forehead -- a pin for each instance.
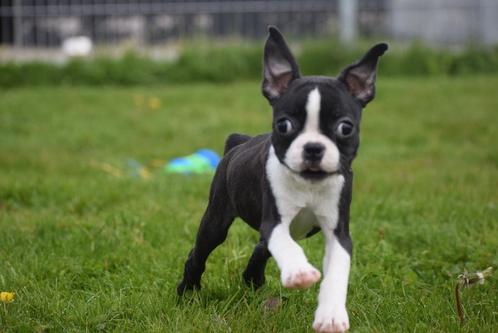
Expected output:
(313, 111)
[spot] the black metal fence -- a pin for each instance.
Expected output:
(45, 23)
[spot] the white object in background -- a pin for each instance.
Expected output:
(79, 46)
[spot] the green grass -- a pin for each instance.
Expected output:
(87, 251)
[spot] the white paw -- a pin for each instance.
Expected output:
(300, 278)
(331, 320)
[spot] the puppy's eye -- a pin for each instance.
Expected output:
(283, 126)
(345, 129)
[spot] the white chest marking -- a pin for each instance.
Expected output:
(293, 194)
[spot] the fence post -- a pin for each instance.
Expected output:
(18, 33)
(348, 20)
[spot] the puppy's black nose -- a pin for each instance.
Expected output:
(313, 151)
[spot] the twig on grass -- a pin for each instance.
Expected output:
(467, 280)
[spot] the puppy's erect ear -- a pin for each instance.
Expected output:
(359, 77)
(279, 66)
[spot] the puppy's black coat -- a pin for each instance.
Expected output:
(241, 186)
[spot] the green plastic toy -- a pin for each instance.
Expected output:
(201, 162)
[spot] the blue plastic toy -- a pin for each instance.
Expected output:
(202, 161)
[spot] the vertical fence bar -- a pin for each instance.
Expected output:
(18, 29)
(348, 10)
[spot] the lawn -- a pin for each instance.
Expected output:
(87, 246)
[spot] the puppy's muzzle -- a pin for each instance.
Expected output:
(313, 153)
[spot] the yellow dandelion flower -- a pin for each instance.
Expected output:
(144, 173)
(154, 103)
(7, 297)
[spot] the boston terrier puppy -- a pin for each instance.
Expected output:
(295, 181)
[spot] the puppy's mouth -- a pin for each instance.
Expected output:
(316, 173)
(313, 172)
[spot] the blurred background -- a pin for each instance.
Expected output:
(46, 24)
(52, 30)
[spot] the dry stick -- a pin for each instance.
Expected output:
(467, 280)
(459, 305)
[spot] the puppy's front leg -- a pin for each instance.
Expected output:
(296, 271)
(331, 315)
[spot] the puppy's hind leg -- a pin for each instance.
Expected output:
(212, 232)
(254, 275)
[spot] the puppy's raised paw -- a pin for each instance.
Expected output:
(301, 278)
(333, 320)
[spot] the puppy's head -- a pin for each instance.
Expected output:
(316, 119)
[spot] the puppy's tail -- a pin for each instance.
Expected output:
(234, 140)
